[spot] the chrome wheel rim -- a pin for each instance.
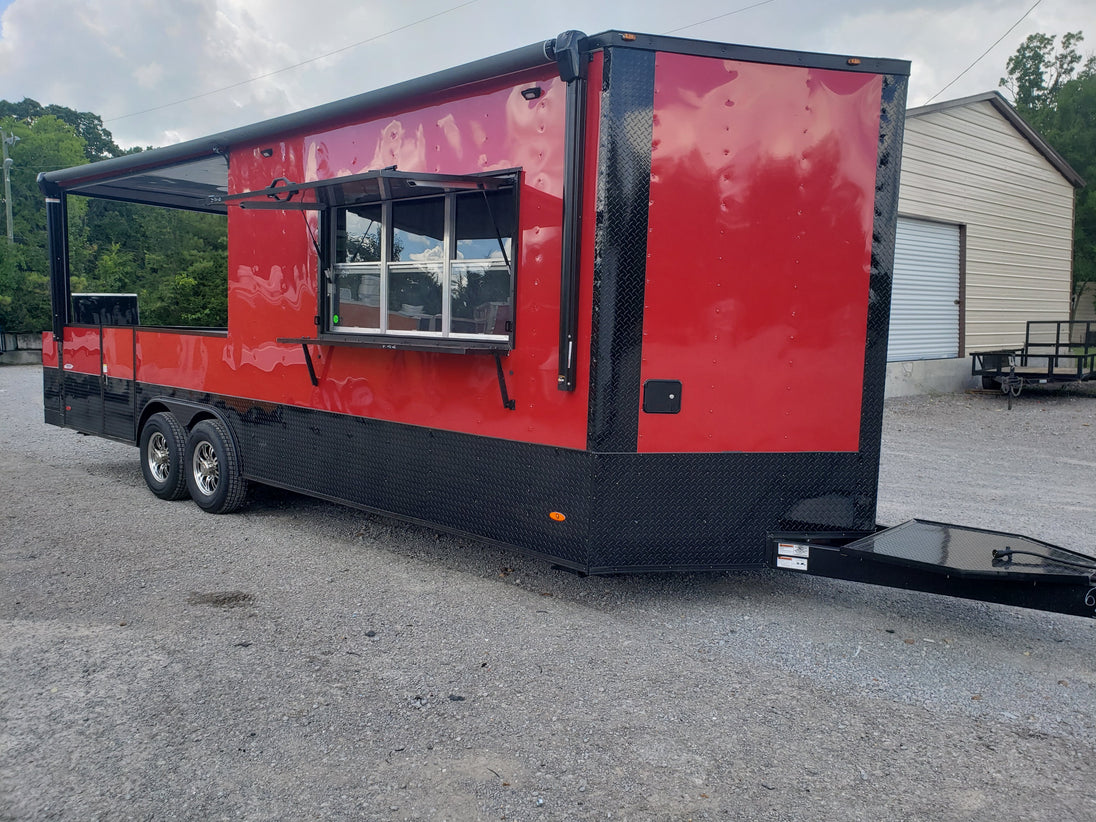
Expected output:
(159, 457)
(207, 472)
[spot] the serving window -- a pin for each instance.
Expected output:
(410, 260)
(436, 266)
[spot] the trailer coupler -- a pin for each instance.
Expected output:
(954, 560)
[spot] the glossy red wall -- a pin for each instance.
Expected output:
(759, 246)
(272, 276)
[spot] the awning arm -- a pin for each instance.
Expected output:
(368, 187)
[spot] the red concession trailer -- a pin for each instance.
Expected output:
(619, 301)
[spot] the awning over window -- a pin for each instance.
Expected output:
(198, 185)
(364, 189)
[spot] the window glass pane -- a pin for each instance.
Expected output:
(418, 230)
(356, 297)
(358, 237)
(481, 219)
(414, 296)
(480, 298)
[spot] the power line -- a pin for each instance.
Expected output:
(984, 53)
(719, 16)
(290, 68)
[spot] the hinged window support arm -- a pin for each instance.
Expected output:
(507, 403)
(308, 362)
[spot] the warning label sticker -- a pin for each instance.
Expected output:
(793, 549)
(792, 563)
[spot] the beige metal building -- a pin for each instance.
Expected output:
(984, 241)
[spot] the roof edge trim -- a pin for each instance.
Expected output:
(499, 65)
(1006, 109)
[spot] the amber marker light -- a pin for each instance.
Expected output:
(628, 37)
(853, 61)
(557, 516)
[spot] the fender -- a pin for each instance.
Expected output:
(187, 413)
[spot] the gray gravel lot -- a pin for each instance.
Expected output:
(302, 660)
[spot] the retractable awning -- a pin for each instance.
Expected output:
(196, 185)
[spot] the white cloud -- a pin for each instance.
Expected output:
(149, 76)
(122, 57)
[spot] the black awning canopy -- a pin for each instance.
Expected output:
(364, 189)
(197, 185)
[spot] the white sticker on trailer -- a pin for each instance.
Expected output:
(792, 549)
(792, 563)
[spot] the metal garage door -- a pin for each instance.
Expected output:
(924, 322)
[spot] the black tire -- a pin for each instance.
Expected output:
(163, 444)
(213, 469)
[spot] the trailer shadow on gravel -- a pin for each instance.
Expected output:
(765, 597)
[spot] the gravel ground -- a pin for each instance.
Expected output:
(301, 660)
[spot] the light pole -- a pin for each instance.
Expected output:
(8, 140)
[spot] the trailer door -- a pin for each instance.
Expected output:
(758, 257)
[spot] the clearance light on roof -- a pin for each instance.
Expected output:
(628, 37)
(853, 61)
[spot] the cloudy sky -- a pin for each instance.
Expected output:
(160, 71)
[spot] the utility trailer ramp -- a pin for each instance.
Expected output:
(954, 560)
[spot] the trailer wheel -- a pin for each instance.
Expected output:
(213, 469)
(162, 443)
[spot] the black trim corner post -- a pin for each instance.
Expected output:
(57, 233)
(569, 52)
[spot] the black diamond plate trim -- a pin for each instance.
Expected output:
(118, 409)
(52, 403)
(492, 489)
(682, 511)
(622, 512)
(83, 397)
(892, 120)
(620, 250)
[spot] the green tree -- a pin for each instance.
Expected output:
(1054, 89)
(47, 143)
(196, 291)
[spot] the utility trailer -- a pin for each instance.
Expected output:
(1054, 351)
(517, 299)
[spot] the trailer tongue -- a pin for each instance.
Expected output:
(955, 560)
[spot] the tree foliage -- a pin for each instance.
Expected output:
(175, 261)
(1054, 89)
(98, 142)
(24, 264)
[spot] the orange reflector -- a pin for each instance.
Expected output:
(557, 516)
(628, 37)
(853, 61)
